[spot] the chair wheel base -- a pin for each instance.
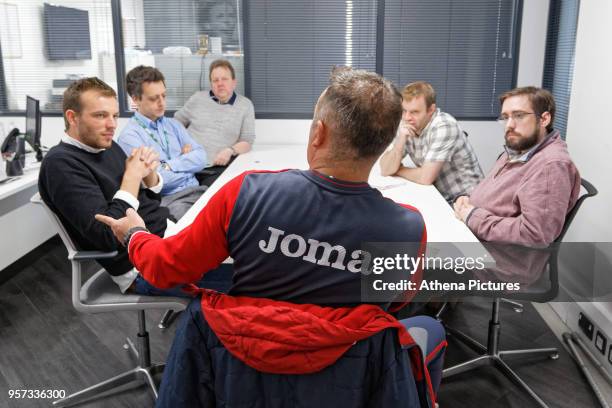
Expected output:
(496, 358)
(142, 374)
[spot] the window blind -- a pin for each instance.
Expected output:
(292, 45)
(559, 57)
(465, 49)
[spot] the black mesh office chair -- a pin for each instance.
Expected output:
(100, 294)
(491, 354)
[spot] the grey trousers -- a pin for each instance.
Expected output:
(179, 203)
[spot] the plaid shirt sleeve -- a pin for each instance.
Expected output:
(442, 143)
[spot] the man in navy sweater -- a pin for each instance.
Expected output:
(296, 240)
(87, 173)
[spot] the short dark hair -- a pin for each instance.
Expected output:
(541, 101)
(221, 63)
(138, 76)
(72, 94)
(362, 110)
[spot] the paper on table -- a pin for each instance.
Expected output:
(381, 182)
(170, 228)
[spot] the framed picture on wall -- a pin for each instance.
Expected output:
(10, 33)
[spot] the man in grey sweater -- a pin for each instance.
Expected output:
(222, 121)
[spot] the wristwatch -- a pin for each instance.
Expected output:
(130, 232)
(234, 152)
(166, 166)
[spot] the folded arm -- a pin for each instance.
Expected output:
(426, 174)
(544, 201)
(192, 161)
(391, 160)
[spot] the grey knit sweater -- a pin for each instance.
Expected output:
(217, 126)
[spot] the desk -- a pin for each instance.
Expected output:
(20, 183)
(442, 226)
(13, 193)
(23, 226)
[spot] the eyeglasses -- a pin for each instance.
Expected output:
(515, 116)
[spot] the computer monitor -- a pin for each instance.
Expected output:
(32, 127)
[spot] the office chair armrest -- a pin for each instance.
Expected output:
(87, 255)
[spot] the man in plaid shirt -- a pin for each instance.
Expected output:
(436, 144)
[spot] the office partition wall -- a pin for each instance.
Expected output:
(51, 46)
(182, 40)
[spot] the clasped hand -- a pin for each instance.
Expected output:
(142, 162)
(462, 207)
(223, 157)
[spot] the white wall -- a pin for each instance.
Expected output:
(589, 139)
(590, 146)
(533, 42)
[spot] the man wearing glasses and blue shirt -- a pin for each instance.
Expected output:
(180, 156)
(534, 183)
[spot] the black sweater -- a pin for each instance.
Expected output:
(77, 184)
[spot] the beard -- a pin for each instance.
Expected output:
(92, 137)
(523, 143)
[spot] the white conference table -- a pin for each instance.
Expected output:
(442, 226)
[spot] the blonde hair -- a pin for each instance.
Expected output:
(419, 88)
